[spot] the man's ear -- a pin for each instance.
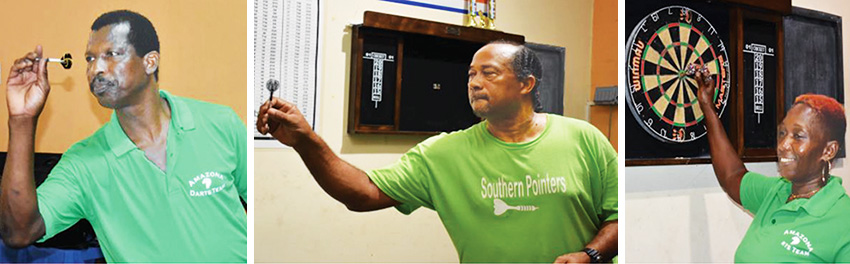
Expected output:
(528, 84)
(151, 61)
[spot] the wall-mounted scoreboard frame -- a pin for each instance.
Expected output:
(738, 41)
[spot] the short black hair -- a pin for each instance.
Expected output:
(525, 63)
(142, 34)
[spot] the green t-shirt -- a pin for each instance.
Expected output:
(189, 213)
(511, 202)
(804, 230)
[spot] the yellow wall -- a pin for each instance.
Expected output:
(202, 47)
(603, 66)
(295, 221)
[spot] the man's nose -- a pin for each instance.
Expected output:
(474, 82)
(97, 67)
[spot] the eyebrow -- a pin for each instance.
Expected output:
(485, 67)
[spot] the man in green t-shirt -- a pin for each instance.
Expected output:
(160, 182)
(518, 187)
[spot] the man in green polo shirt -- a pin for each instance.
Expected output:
(160, 182)
(518, 187)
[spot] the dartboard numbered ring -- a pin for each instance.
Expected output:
(662, 97)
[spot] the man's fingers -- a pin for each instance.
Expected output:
(263, 108)
(22, 64)
(262, 118)
(282, 105)
(32, 55)
(286, 118)
(260, 125)
(275, 112)
(16, 67)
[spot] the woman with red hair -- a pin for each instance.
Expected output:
(801, 216)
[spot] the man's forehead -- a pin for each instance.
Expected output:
(115, 34)
(499, 53)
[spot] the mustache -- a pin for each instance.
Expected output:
(479, 96)
(99, 80)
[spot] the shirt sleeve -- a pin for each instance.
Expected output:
(240, 140)
(406, 180)
(606, 160)
(754, 189)
(60, 200)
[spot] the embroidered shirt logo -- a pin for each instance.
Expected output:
(206, 184)
(500, 207)
(799, 243)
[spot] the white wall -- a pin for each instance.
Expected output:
(680, 213)
(295, 221)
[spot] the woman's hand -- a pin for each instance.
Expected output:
(706, 85)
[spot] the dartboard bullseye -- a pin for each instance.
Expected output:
(661, 95)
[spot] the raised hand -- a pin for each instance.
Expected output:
(28, 85)
(284, 122)
(706, 85)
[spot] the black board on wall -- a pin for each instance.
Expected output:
(552, 85)
(434, 80)
(813, 56)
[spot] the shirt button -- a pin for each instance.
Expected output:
(773, 221)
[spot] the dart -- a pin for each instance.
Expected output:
(500, 207)
(692, 69)
(65, 61)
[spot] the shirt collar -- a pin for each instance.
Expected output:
(819, 203)
(120, 144)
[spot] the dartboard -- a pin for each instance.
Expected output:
(661, 95)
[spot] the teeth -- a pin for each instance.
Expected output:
(785, 160)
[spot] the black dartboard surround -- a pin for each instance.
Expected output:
(660, 96)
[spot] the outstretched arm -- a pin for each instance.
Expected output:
(20, 221)
(338, 178)
(728, 167)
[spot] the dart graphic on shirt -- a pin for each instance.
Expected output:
(499, 207)
(207, 182)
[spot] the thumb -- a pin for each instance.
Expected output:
(41, 71)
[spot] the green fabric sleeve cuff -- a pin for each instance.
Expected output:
(611, 217)
(402, 207)
(47, 219)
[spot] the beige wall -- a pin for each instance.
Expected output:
(296, 221)
(680, 214)
(202, 46)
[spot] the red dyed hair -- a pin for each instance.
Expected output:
(831, 113)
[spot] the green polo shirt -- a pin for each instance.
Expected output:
(804, 230)
(188, 213)
(511, 202)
